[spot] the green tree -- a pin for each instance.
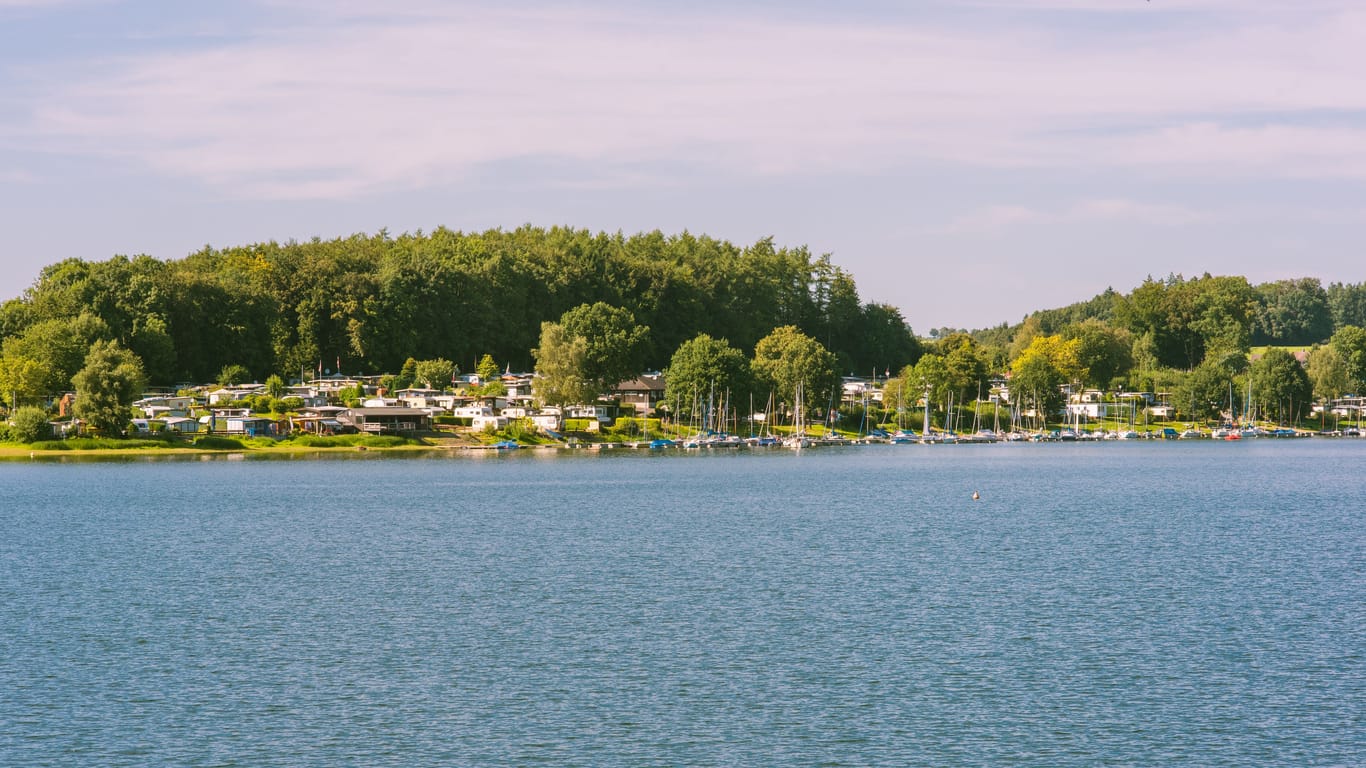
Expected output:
(58, 347)
(1180, 319)
(614, 344)
(1347, 302)
(1292, 312)
(1282, 385)
(1204, 392)
(493, 388)
(897, 396)
(560, 361)
(487, 369)
(22, 379)
(885, 340)
(152, 343)
(1160, 313)
(275, 387)
(965, 369)
(901, 394)
(233, 374)
(107, 386)
(436, 373)
(1328, 373)
(351, 397)
(406, 376)
(1041, 370)
(1350, 344)
(787, 357)
(30, 424)
(1105, 352)
(703, 365)
(930, 373)
(1224, 310)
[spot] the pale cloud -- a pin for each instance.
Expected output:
(994, 218)
(997, 218)
(1132, 210)
(362, 101)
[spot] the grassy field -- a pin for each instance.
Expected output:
(1259, 351)
(224, 444)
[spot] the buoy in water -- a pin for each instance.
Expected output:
(976, 496)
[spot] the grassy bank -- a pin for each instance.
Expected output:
(222, 443)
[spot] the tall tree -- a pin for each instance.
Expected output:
(1281, 384)
(1105, 352)
(965, 369)
(1328, 373)
(275, 386)
(1350, 343)
(435, 374)
(931, 376)
(702, 366)
(1292, 312)
(1204, 391)
(58, 347)
(1347, 302)
(152, 343)
(107, 386)
(787, 357)
(1040, 371)
(560, 361)
(486, 369)
(614, 345)
(23, 380)
(884, 341)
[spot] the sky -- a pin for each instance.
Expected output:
(967, 161)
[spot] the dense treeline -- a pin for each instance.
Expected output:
(593, 307)
(1191, 338)
(371, 302)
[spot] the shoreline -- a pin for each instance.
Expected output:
(13, 452)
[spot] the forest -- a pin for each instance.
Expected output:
(367, 303)
(370, 303)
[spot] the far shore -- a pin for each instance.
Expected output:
(437, 443)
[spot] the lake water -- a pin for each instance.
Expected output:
(1150, 604)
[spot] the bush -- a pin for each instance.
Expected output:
(231, 375)
(30, 425)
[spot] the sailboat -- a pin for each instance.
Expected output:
(979, 433)
(902, 435)
(798, 438)
(1226, 430)
(1250, 429)
(765, 438)
(1130, 433)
